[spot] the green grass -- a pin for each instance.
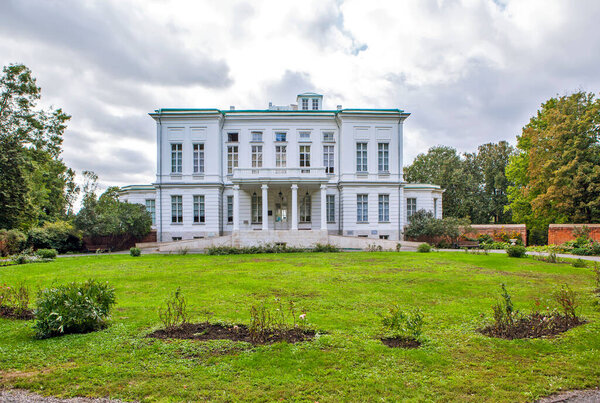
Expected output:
(342, 294)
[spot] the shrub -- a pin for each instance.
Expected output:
(24, 257)
(397, 323)
(273, 318)
(15, 297)
(516, 251)
(59, 235)
(47, 253)
(268, 248)
(11, 242)
(325, 248)
(135, 252)
(73, 308)
(579, 263)
(505, 314)
(567, 300)
(398, 247)
(424, 248)
(175, 312)
(423, 224)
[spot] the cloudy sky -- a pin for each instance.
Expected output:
(468, 71)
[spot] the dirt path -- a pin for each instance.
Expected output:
(22, 396)
(575, 396)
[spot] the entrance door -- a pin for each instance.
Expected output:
(281, 215)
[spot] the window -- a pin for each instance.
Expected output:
(304, 136)
(198, 158)
(305, 208)
(151, 208)
(256, 136)
(199, 216)
(280, 136)
(304, 104)
(328, 137)
(176, 209)
(281, 157)
(315, 104)
(256, 209)
(361, 157)
(328, 160)
(362, 208)
(232, 158)
(383, 152)
(305, 158)
(411, 207)
(229, 209)
(256, 158)
(330, 208)
(384, 208)
(176, 238)
(232, 137)
(435, 204)
(176, 157)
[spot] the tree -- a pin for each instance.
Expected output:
(492, 158)
(556, 174)
(37, 186)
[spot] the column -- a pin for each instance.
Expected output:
(294, 207)
(265, 208)
(323, 207)
(236, 207)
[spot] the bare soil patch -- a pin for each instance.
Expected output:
(9, 312)
(214, 331)
(536, 325)
(401, 342)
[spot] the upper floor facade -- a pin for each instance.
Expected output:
(296, 143)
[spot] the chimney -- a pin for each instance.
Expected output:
(232, 108)
(339, 107)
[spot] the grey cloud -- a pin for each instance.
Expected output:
(120, 42)
(292, 83)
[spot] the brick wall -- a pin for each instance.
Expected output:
(494, 230)
(561, 233)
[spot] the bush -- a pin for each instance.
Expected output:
(579, 263)
(24, 257)
(47, 253)
(325, 248)
(424, 248)
(135, 252)
(268, 248)
(567, 300)
(273, 318)
(397, 323)
(11, 242)
(16, 298)
(516, 251)
(73, 308)
(423, 224)
(59, 235)
(175, 312)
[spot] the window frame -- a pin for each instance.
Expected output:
(257, 136)
(326, 138)
(198, 158)
(305, 209)
(151, 209)
(199, 209)
(284, 136)
(383, 157)
(304, 158)
(362, 208)
(281, 156)
(232, 158)
(176, 209)
(410, 209)
(256, 209)
(230, 136)
(177, 158)
(384, 208)
(329, 158)
(230, 209)
(330, 208)
(304, 103)
(315, 104)
(362, 158)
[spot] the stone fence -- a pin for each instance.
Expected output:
(561, 233)
(500, 232)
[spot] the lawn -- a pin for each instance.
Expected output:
(342, 294)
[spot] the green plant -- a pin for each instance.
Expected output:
(398, 247)
(47, 253)
(424, 248)
(273, 318)
(567, 299)
(325, 248)
(596, 271)
(504, 312)
(24, 257)
(183, 251)
(175, 312)
(59, 235)
(374, 248)
(397, 323)
(73, 308)
(11, 242)
(579, 263)
(516, 251)
(135, 252)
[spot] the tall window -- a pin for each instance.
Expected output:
(305, 208)
(328, 160)
(361, 157)
(411, 207)
(229, 209)
(151, 208)
(256, 209)
(384, 208)
(176, 157)
(330, 208)
(281, 157)
(199, 158)
(362, 208)
(256, 136)
(305, 158)
(315, 104)
(176, 209)
(199, 216)
(280, 136)
(257, 155)
(232, 137)
(304, 104)
(435, 204)
(383, 152)
(232, 158)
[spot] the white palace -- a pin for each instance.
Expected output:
(294, 169)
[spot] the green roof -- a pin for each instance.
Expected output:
(227, 112)
(136, 187)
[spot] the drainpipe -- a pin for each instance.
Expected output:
(340, 226)
(160, 200)
(221, 125)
